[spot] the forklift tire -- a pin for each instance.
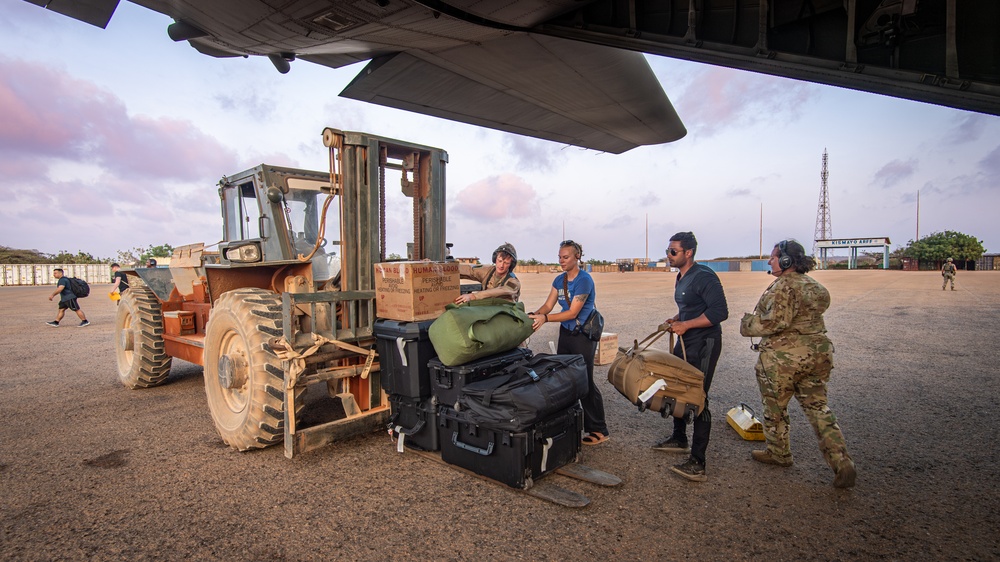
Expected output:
(139, 351)
(244, 379)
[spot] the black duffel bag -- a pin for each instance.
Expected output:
(525, 392)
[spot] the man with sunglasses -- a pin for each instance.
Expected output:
(701, 307)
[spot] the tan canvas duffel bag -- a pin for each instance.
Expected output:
(658, 380)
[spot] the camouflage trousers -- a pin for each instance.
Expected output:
(801, 372)
(944, 282)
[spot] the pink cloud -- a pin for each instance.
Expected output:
(13, 167)
(73, 199)
(273, 158)
(497, 197)
(46, 113)
(720, 97)
(166, 149)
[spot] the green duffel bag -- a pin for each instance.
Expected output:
(480, 328)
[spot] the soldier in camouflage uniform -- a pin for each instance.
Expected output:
(499, 281)
(948, 273)
(796, 358)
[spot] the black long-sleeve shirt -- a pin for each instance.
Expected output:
(700, 292)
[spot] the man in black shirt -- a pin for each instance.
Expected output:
(119, 280)
(701, 307)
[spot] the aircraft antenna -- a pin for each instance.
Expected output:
(824, 229)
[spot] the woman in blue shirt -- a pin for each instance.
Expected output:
(575, 292)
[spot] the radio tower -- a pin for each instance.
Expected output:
(824, 230)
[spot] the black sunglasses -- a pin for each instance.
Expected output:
(674, 251)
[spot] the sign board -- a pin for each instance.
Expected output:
(852, 242)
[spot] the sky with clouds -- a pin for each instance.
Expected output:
(112, 139)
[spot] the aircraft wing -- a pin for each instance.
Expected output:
(496, 76)
(95, 12)
(568, 92)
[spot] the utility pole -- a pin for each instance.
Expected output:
(824, 229)
(918, 216)
(760, 249)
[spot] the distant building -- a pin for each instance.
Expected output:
(988, 262)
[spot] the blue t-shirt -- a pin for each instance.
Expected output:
(582, 285)
(67, 293)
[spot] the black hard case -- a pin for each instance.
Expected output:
(417, 420)
(447, 382)
(514, 458)
(404, 350)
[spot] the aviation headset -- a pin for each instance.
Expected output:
(508, 249)
(784, 260)
(577, 248)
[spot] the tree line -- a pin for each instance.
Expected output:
(935, 247)
(939, 246)
(130, 256)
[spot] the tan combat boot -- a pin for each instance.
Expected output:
(846, 474)
(766, 457)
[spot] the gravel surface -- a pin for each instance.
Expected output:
(93, 471)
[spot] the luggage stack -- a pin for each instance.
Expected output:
(509, 416)
(404, 350)
(418, 383)
(519, 423)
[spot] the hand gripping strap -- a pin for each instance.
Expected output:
(651, 338)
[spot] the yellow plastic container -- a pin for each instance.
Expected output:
(743, 420)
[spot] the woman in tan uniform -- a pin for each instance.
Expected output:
(499, 281)
(796, 358)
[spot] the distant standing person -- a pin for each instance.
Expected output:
(796, 358)
(119, 280)
(948, 273)
(498, 280)
(66, 300)
(701, 307)
(576, 294)
(151, 262)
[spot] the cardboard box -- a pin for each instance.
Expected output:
(409, 291)
(607, 349)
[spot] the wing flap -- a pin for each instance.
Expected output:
(569, 92)
(95, 12)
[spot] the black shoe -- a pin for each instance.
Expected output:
(84, 324)
(692, 470)
(673, 445)
(52, 323)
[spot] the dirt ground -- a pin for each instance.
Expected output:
(93, 471)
